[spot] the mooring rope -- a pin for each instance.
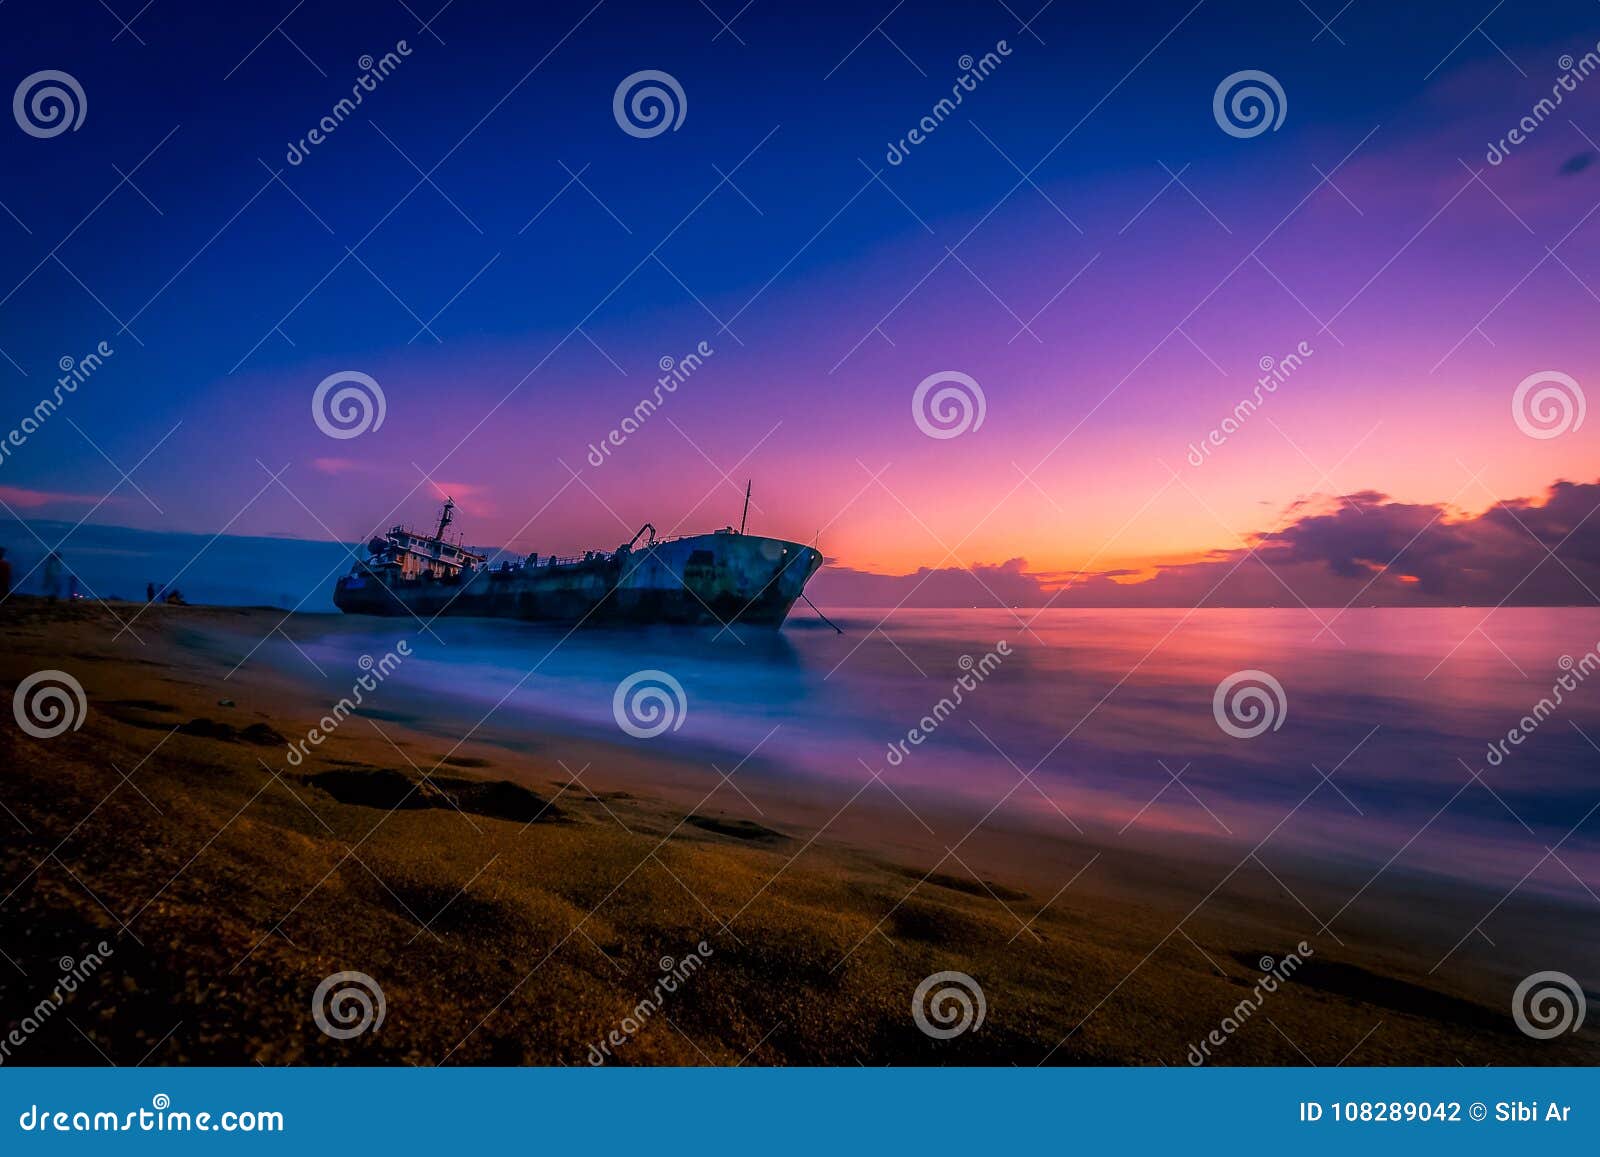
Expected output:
(820, 615)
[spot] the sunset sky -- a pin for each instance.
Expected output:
(1112, 313)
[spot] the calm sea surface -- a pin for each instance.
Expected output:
(1384, 717)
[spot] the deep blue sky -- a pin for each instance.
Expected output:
(204, 280)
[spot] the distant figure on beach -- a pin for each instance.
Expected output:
(175, 598)
(5, 575)
(52, 576)
(149, 592)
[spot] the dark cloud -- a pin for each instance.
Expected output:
(1362, 548)
(117, 562)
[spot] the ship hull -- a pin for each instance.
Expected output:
(705, 579)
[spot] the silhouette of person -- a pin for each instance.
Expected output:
(149, 592)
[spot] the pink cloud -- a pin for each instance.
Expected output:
(1364, 547)
(465, 492)
(33, 499)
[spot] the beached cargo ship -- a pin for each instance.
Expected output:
(727, 576)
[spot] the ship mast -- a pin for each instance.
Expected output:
(746, 515)
(446, 514)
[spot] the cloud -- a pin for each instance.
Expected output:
(115, 561)
(1521, 551)
(467, 494)
(19, 498)
(1359, 548)
(1003, 584)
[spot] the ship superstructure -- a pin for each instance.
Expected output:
(403, 555)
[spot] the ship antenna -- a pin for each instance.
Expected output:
(746, 515)
(445, 515)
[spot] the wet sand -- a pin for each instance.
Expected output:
(519, 901)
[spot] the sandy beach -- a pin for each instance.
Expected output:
(518, 895)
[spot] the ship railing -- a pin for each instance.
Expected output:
(595, 556)
(545, 560)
